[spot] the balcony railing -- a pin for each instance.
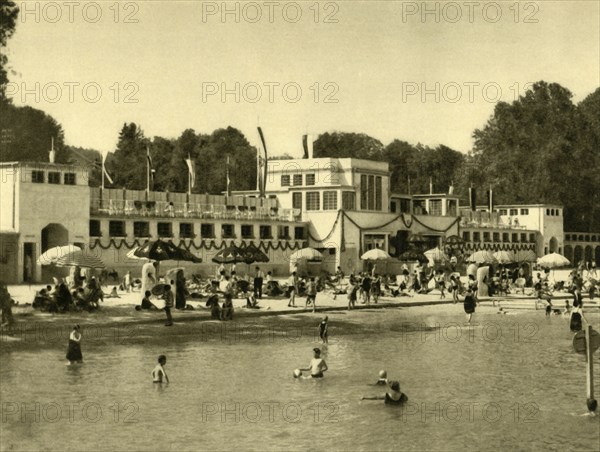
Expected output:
(471, 219)
(164, 209)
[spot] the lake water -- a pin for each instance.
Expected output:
(510, 382)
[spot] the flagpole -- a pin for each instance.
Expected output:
(147, 170)
(102, 157)
(189, 175)
(227, 177)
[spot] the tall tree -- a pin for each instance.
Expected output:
(128, 163)
(343, 144)
(27, 135)
(9, 12)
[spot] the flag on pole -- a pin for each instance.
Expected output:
(264, 175)
(150, 174)
(305, 145)
(472, 199)
(52, 155)
(490, 195)
(228, 180)
(192, 170)
(105, 173)
(431, 185)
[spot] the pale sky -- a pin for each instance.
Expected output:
(375, 61)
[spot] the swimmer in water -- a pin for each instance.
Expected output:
(391, 397)
(317, 365)
(158, 373)
(382, 378)
(323, 333)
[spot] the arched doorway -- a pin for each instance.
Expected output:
(588, 253)
(53, 234)
(569, 253)
(553, 245)
(578, 255)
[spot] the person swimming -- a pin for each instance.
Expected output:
(317, 365)
(393, 396)
(382, 378)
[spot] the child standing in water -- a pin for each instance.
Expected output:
(158, 373)
(323, 331)
(469, 304)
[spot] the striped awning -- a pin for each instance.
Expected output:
(81, 259)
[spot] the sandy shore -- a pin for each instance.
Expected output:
(118, 322)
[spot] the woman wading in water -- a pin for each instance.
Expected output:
(74, 350)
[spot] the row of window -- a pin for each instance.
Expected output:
(141, 229)
(313, 200)
(553, 212)
(39, 177)
(582, 237)
(515, 237)
(513, 212)
(370, 192)
(296, 180)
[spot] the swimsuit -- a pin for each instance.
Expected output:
(319, 375)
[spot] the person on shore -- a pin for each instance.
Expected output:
(258, 283)
(317, 365)
(323, 331)
(251, 302)
(227, 310)
(382, 381)
(469, 304)
(472, 284)
(365, 285)
(352, 294)
(168, 297)
(148, 276)
(311, 294)
(454, 288)
(180, 290)
(6, 303)
(339, 278)
(127, 283)
(74, 350)
(147, 305)
(113, 293)
(441, 284)
(376, 288)
(393, 396)
(293, 286)
(158, 373)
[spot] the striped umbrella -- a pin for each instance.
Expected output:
(53, 254)
(80, 259)
(525, 256)
(553, 260)
(436, 255)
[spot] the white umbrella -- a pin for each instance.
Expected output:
(482, 257)
(553, 260)
(376, 254)
(53, 254)
(504, 257)
(131, 254)
(309, 254)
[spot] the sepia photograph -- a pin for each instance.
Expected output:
(353, 225)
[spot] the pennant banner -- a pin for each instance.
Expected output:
(192, 170)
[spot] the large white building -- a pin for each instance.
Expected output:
(340, 206)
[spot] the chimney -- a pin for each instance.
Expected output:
(52, 153)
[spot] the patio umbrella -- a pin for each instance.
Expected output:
(158, 250)
(413, 255)
(553, 260)
(436, 255)
(453, 240)
(482, 257)
(376, 254)
(131, 253)
(416, 239)
(53, 254)
(310, 254)
(254, 254)
(525, 256)
(504, 257)
(81, 259)
(232, 254)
